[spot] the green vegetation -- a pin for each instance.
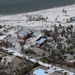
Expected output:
(45, 60)
(59, 46)
(74, 64)
(31, 52)
(36, 65)
(25, 70)
(0, 26)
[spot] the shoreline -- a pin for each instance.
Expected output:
(41, 10)
(21, 19)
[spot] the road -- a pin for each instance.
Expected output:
(50, 70)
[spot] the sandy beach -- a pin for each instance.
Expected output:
(52, 14)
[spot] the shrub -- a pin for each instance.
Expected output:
(35, 64)
(45, 60)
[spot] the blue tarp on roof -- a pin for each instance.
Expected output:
(23, 33)
(39, 72)
(41, 40)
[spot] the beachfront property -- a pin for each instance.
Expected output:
(39, 71)
(51, 71)
(22, 35)
(39, 42)
(43, 72)
(35, 17)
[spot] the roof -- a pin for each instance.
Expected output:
(39, 72)
(41, 40)
(2, 37)
(23, 33)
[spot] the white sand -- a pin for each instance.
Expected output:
(52, 14)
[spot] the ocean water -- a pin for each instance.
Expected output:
(21, 6)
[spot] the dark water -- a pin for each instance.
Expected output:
(20, 6)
